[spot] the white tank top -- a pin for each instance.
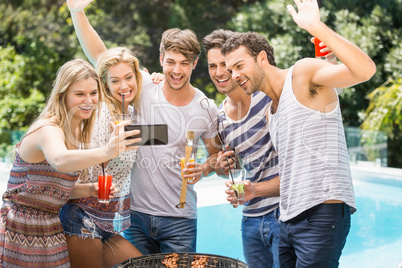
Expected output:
(313, 158)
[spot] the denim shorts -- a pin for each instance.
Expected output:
(76, 222)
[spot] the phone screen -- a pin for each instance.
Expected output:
(150, 134)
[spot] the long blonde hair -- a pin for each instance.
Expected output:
(113, 57)
(56, 108)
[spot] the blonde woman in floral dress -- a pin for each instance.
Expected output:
(47, 164)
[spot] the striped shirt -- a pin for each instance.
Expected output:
(313, 159)
(250, 138)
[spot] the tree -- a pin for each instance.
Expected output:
(34, 44)
(39, 37)
(385, 114)
(17, 107)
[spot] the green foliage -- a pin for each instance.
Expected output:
(374, 144)
(17, 113)
(19, 105)
(5, 152)
(203, 17)
(123, 28)
(33, 45)
(385, 110)
(37, 37)
(11, 66)
(385, 114)
(393, 60)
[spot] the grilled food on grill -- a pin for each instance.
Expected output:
(199, 261)
(171, 260)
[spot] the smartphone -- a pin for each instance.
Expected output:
(150, 134)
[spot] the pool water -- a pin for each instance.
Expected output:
(375, 238)
(219, 231)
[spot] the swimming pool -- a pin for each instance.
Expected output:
(375, 238)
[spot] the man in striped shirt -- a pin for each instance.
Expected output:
(243, 126)
(305, 123)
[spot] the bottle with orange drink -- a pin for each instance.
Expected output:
(183, 165)
(189, 157)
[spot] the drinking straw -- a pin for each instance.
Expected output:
(103, 169)
(123, 107)
(231, 177)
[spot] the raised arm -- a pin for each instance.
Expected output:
(89, 39)
(357, 66)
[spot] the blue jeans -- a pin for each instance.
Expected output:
(315, 238)
(260, 236)
(155, 234)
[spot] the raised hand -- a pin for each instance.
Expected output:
(308, 14)
(77, 5)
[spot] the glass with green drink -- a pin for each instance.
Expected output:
(237, 176)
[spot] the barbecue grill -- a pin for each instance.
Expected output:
(185, 259)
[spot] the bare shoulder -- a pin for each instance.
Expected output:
(301, 76)
(41, 131)
(43, 126)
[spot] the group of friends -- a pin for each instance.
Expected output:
(285, 125)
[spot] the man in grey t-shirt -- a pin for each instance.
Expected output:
(157, 224)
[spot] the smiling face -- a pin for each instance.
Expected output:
(220, 76)
(177, 69)
(121, 81)
(81, 98)
(245, 70)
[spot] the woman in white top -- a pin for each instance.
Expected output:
(93, 228)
